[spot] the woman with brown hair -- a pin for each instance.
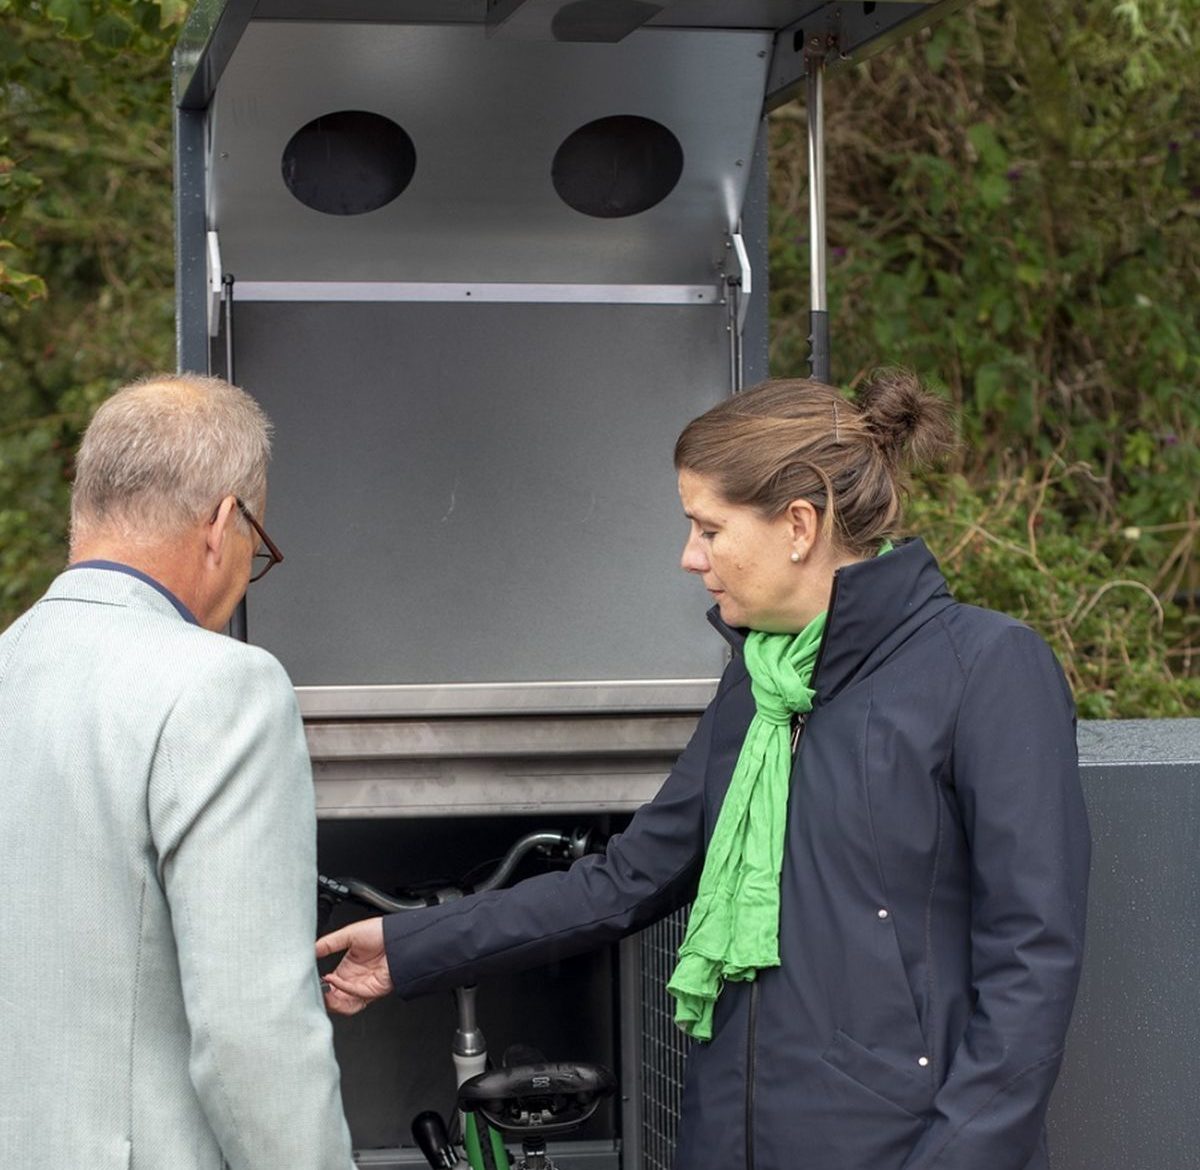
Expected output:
(878, 821)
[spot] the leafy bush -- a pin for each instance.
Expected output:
(1013, 205)
(85, 204)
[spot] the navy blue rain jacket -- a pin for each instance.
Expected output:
(932, 898)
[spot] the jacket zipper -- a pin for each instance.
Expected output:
(797, 731)
(750, 1067)
(752, 1026)
(833, 592)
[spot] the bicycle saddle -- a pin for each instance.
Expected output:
(537, 1098)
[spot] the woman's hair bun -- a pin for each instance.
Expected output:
(911, 425)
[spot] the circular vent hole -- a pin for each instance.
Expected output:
(617, 166)
(348, 162)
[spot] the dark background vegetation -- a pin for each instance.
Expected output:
(1014, 212)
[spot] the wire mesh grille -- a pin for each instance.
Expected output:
(664, 1046)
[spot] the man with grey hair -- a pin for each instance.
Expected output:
(160, 1009)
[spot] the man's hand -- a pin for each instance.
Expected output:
(362, 976)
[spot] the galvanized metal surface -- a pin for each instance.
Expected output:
(511, 292)
(635, 696)
(498, 739)
(480, 493)
(486, 117)
(866, 24)
(557, 749)
(1126, 1096)
(552, 786)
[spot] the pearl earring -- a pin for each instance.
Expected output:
(795, 557)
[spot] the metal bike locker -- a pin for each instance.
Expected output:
(480, 260)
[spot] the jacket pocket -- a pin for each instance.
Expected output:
(905, 1090)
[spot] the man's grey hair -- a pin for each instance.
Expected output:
(163, 452)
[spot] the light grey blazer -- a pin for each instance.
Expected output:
(159, 1003)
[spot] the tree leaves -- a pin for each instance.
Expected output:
(85, 249)
(1013, 212)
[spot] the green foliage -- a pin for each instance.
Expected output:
(1004, 545)
(85, 247)
(1014, 200)
(1013, 206)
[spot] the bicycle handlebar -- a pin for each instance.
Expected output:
(569, 846)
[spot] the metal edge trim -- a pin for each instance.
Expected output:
(527, 698)
(381, 290)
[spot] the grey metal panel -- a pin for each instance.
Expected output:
(1126, 1097)
(191, 283)
(486, 118)
(532, 698)
(563, 20)
(397, 790)
(499, 739)
(498, 765)
(375, 11)
(717, 14)
(771, 14)
(480, 493)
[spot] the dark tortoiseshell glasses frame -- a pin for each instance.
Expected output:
(267, 560)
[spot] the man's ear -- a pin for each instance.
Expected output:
(216, 534)
(805, 523)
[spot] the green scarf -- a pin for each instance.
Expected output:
(734, 925)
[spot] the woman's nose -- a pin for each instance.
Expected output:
(693, 559)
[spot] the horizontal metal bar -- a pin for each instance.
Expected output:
(498, 739)
(599, 697)
(1137, 743)
(474, 788)
(482, 292)
(579, 1155)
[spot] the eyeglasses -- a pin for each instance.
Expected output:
(264, 561)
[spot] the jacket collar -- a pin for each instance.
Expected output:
(106, 586)
(874, 606)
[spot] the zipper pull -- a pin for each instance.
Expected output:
(797, 729)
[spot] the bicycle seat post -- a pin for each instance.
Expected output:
(533, 1147)
(470, 1047)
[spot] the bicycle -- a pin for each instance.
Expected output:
(530, 1099)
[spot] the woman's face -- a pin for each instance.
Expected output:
(745, 560)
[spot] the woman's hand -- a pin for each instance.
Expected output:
(362, 976)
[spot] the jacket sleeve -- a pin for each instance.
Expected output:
(645, 872)
(233, 822)
(1016, 777)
